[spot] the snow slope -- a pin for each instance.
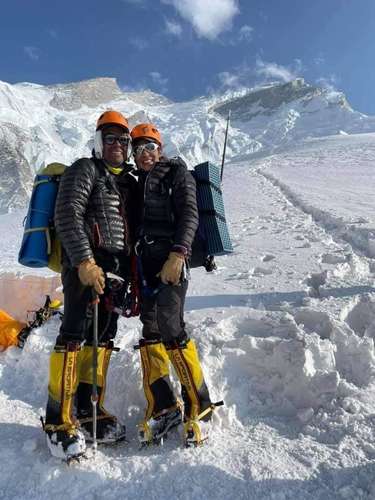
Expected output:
(285, 329)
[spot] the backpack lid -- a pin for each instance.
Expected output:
(52, 169)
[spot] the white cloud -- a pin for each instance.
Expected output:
(245, 33)
(318, 61)
(139, 43)
(237, 79)
(243, 76)
(159, 81)
(173, 27)
(329, 83)
(140, 86)
(274, 71)
(229, 80)
(32, 52)
(208, 17)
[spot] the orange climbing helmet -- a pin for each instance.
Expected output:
(111, 117)
(146, 131)
(107, 119)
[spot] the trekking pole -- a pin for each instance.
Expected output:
(225, 147)
(94, 394)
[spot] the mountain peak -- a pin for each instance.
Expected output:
(92, 93)
(269, 97)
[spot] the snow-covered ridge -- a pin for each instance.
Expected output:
(271, 97)
(283, 113)
(40, 124)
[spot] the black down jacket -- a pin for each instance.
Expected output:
(95, 210)
(168, 198)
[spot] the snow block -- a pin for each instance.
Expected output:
(212, 223)
(20, 293)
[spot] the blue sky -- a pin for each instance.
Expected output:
(187, 48)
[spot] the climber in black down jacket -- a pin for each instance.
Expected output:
(95, 224)
(169, 220)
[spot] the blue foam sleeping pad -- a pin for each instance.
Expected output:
(35, 247)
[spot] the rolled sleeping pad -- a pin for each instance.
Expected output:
(36, 242)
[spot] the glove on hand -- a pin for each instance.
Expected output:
(171, 271)
(92, 275)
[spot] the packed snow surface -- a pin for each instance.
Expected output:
(285, 329)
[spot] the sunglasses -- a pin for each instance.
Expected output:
(150, 147)
(110, 139)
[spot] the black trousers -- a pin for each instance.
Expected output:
(162, 313)
(78, 308)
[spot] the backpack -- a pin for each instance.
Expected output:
(40, 247)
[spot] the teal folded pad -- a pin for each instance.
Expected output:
(212, 224)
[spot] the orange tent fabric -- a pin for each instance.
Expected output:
(9, 329)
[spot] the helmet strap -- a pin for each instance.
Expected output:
(98, 144)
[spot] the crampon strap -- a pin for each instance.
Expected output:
(210, 408)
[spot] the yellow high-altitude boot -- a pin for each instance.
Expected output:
(64, 439)
(109, 430)
(185, 360)
(162, 412)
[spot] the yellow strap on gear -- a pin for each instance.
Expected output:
(71, 429)
(146, 431)
(210, 408)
